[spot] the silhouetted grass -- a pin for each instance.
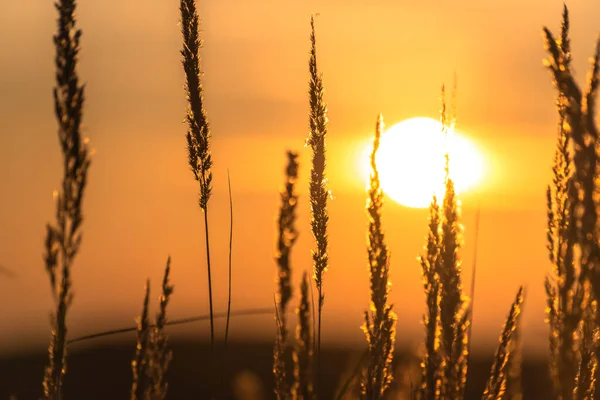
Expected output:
(573, 241)
(63, 238)
(160, 354)
(286, 237)
(152, 355)
(318, 192)
(198, 135)
(303, 387)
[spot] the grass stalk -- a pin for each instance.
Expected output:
(496, 385)
(63, 238)
(160, 355)
(514, 378)
(210, 294)
(229, 260)
(198, 135)
(286, 237)
(380, 327)
(565, 292)
(182, 321)
(448, 318)
(453, 308)
(318, 192)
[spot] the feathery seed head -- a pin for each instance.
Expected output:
(198, 135)
(63, 239)
(287, 235)
(380, 327)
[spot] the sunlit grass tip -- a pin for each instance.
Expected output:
(380, 326)
(496, 385)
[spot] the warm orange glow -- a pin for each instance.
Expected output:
(411, 161)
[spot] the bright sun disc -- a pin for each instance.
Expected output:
(411, 161)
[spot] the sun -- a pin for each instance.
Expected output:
(411, 161)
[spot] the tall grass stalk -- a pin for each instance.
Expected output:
(380, 327)
(453, 309)
(198, 135)
(318, 184)
(286, 237)
(448, 317)
(63, 238)
(496, 385)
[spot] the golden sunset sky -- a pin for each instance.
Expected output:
(388, 56)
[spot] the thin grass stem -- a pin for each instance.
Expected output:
(182, 321)
(229, 263)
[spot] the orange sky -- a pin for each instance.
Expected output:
(386, 56)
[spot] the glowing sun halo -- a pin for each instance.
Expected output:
(411, 161)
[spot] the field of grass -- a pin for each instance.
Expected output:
(299, 367)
